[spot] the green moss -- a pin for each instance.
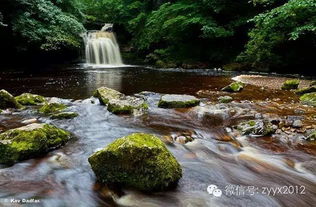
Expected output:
(234, 87)
(52, 108)
(313, 83)
(64, 115)
(305, 90)
(139, 160)
(225, 99)
(8, 101)
(309, 99)
(290, 84)
(30, 99)
(125, 106)
(312, 136)
(105, 94)
(30, 141)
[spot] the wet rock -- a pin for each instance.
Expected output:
(305, 90)
(225, 99)
(30, 99)
(64, 115)
(29, 121)
(127, 105)
(30, 141)
(139, 160)
(297, 124)
(178, 101)
(290, 84)
(105, 94)
(50, 108)
(234, 87)
(312, 136)
(309, 99)
(8, 101)
(257, 127)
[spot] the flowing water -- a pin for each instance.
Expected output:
(64, 178)
(101, 48)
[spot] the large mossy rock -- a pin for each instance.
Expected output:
(178, 101)
(7, 100)
(234, 87)
(105, 94)
(256, 127)
(118, 103)
(30, 99)
(30, 141)
(309, 99)
(127, 105)
(290, 84)
(139, 160)
(50, 108)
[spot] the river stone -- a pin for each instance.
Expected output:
(50, 108)
(225, 99)
(127, 105)
(30, 99)
(30, 141)
(178, 101)
(256, 127)
(139, 160)
(64, 115)
(290, 84)
(309, 99)
(234, 87)
(7, 100)
(105, 94)
(312, 136)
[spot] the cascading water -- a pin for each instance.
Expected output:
(101, 47)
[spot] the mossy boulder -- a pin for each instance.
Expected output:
(256, 127)
(290, 84)
(30, 141)
(64, 115)
(8, 101)
(127, 105)
(139, 160)
(309, 99)
(178, 101)
(30, 99)
(305, 90)
(105, 94)
(50, 108)
(234, 87)
(225, 99)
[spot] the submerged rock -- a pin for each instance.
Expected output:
(118, 103)
(225, 99)
(256, 127)
(30, 141)
(105, 94)
(309, 99)
(139, 160)
(7, 100)
(64, 115)
(127, 105)
(234, 87)
(178, 101)
(50, 108)
(30, 99)
(290, 84)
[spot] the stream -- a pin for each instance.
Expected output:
(265, 171)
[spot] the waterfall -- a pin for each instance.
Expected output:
(101, 47)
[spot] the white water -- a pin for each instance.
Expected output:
(101, 48)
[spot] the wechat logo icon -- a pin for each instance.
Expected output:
(214, 190)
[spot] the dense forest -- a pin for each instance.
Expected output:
(274, 35)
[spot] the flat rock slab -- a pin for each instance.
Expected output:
(178, 101)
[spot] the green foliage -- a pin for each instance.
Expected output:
(282, 26)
